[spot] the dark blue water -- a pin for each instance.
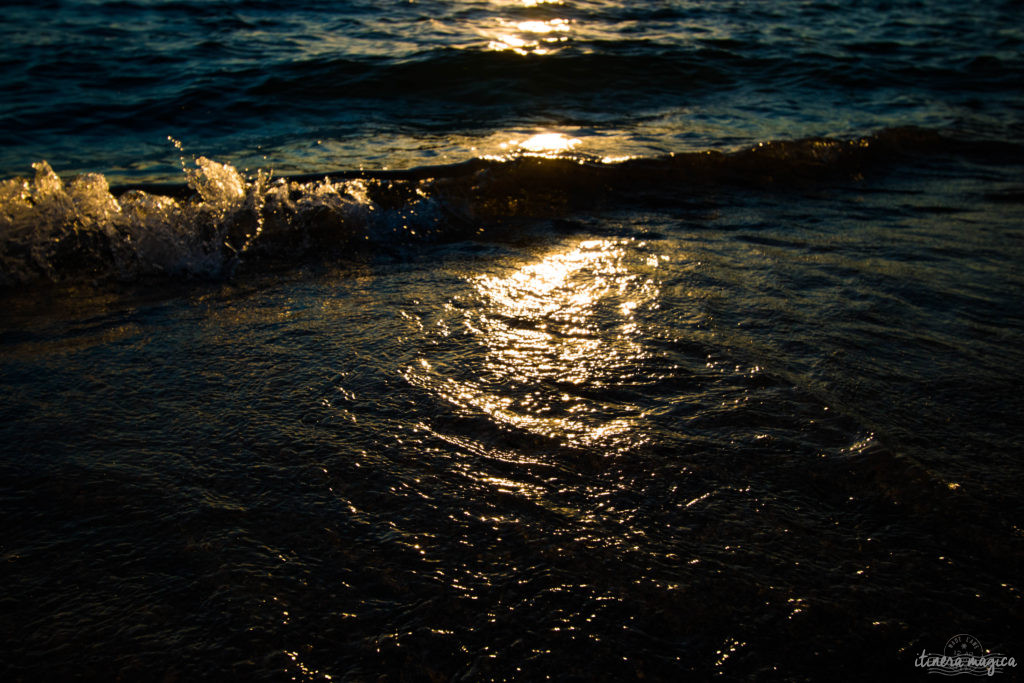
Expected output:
(317, 86)
(509, 340)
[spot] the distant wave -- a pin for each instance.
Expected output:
(218, 221)
(478, 75)
(618, 77)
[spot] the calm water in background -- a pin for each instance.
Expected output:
(568, 396)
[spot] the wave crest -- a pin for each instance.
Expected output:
(218, 220)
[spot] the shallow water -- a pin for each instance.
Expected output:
(480, 376)
(762, 436)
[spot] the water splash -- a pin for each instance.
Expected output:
(54, 231)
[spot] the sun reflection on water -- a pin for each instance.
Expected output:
(531, 37)
(559, 338)
(543, 144)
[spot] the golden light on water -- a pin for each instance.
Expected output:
(537, 37)
(548, 145)
(543, 27)
(544, 331)
(541, 290)
(551, 144)
(508, 41)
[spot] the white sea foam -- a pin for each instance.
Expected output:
(50, 229)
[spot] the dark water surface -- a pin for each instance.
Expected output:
(539, 341)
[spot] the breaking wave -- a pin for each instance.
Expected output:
(217, 221)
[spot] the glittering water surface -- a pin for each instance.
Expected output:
(762, 436)
(492, 340)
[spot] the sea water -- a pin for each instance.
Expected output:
(494, 340)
